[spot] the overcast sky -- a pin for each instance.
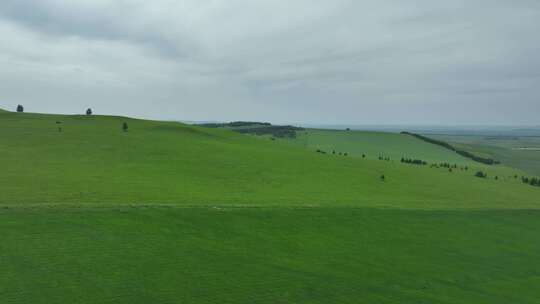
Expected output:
(290, 61)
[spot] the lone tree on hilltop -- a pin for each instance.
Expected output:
(125, 126)
(88, 111)
(20, 108)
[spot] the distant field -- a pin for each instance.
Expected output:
(172, 213)
(395, 146)
(375, 144)
(522, 152)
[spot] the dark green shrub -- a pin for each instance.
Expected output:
(480, 174)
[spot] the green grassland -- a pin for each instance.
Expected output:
(93, 162)
(283, 255)
(171, 213)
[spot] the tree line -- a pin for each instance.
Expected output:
(333, 152)
(487, 161)
(413, 161)
(533, 181)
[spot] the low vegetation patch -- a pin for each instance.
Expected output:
(257, 128)
(276, 131)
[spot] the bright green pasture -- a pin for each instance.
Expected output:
(92, 161)
(253, 255)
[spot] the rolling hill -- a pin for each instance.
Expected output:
(173, 213)
(93, 161)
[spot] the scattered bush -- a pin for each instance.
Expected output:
(125, 127)
(533, 181)
(20, 108)
(480, 174)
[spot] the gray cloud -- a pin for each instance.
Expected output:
(307, 61)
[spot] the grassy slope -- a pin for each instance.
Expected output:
(96, 249)
(93, 161)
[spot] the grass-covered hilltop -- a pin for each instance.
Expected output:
(54, 159)
(103, 209)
